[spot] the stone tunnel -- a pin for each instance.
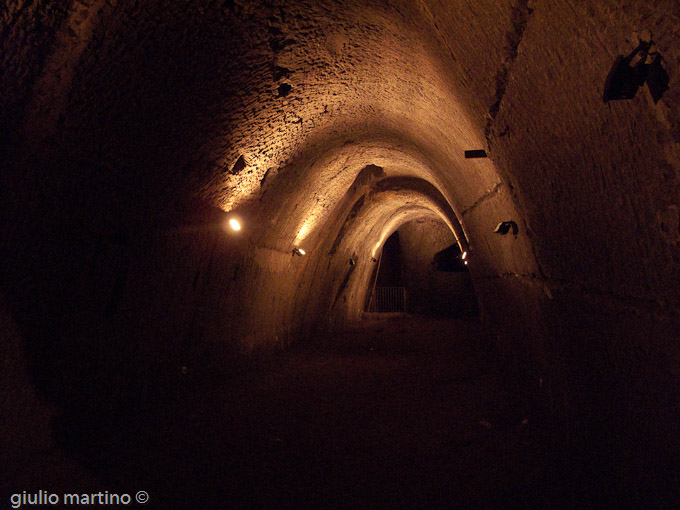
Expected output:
(137, 134)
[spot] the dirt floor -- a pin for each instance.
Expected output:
(403, 412)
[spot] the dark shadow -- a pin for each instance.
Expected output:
(450, 260)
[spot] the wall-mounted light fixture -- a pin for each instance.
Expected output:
(505, 226)
(299, 252)
(232, 223)
(624, 79)
(657, 78)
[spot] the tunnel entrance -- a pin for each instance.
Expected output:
(388, 293)
(422, 270)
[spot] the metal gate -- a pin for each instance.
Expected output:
(388, 299)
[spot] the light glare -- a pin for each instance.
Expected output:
(464, 255)
(234, 224)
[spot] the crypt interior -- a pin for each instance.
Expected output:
(339, 253)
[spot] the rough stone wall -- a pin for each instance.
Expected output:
(597, 184)
(124, 122)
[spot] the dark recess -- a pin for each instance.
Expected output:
(450, 260)
(284, 89)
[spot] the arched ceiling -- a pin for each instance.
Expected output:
(269, 110)
(325, 124)
(115, 114)
(222, 94)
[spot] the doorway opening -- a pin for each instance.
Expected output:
(388, 294)
(422, 270)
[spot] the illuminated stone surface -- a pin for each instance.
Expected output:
(130, 129)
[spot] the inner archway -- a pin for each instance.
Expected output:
(421, 269)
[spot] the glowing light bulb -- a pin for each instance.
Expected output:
(302, 252)
(234, 224)
(464, 255)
